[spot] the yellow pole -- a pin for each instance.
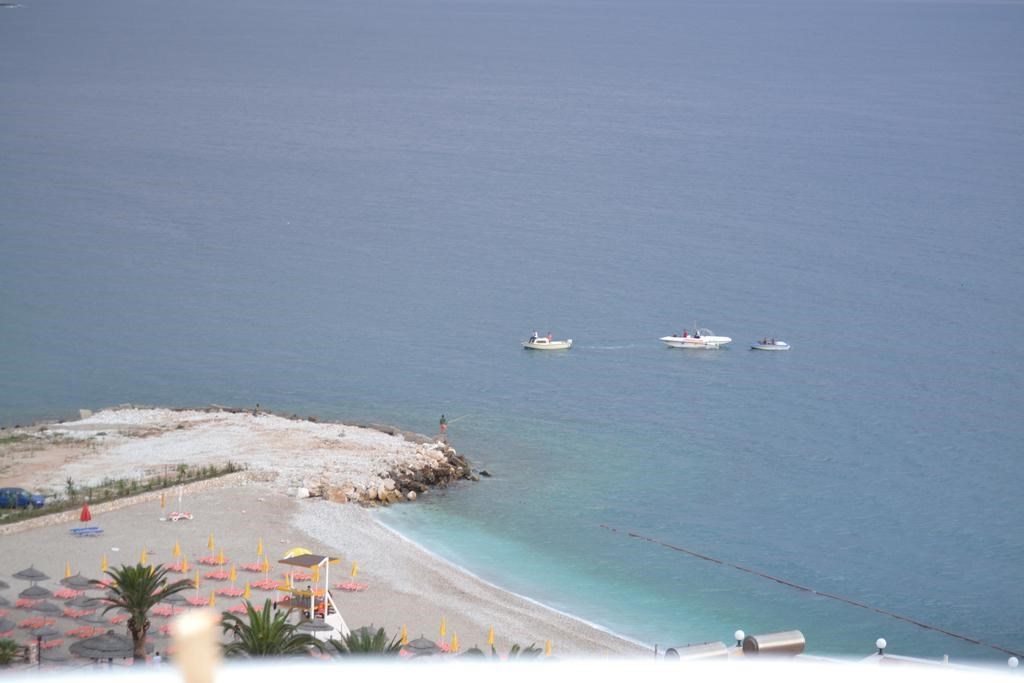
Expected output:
(196, 582)
(209, 543)
(266, 568)
(234, 574)
(163, 500)
(355, 569)
(547, 649)
(455, 642)
(444, 627)
(248, 592)
(405, 635)
(490, 636)
(259, 548)
(177, 550)
(220, 556)
(143, 560)
(67, 569)
(213, 598)
(103, 563)
(184, 564)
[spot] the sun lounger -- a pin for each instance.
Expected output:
(84, 531)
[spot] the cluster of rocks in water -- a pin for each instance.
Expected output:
(437, 465)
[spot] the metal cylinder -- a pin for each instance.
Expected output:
(779, 643)
(698, 651)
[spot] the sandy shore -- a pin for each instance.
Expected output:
(406, 585)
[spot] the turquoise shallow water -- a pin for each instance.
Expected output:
(357, 210)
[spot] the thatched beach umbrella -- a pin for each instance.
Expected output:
(4, 602)
(35, 592)
(108, 645)
(314, 626)
(176, 599)
(31, 574)
(46, 633)
(77, 582)
(94, 618)
(45, 607)
(84, 602)
(421, 647)
(3, 585)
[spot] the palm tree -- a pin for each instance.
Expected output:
(9, 651)
(136, 590)
(365, 641)
(267, 633)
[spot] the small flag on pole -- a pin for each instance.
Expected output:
(209, 543)
(355, 569)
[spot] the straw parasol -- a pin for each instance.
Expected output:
(35, 592)
(77, 582)
(421, 647)
(47, 608)
(31, 574)
(94, 618)
(314, 626)
(84, 602)
(108, 645)
(46, 633)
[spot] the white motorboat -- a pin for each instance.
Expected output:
(546, 343)
(770, 344)
(700, 339)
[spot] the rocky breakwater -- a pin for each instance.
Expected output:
(433, 465)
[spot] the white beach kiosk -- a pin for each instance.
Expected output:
(325, 620)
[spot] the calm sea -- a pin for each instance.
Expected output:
(358, 209)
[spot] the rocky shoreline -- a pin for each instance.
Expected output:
(366, 464)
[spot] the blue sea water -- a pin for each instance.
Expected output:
(357, 210)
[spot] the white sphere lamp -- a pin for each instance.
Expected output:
(880, 644)
(739, 636)
(1012, 662)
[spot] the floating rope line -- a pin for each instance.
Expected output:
(806, 589)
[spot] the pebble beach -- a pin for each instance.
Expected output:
(284, 459)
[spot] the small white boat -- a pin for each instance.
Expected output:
(700, 339)
(546, 343)
(770, 344)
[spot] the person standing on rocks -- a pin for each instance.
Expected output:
(444, 427)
